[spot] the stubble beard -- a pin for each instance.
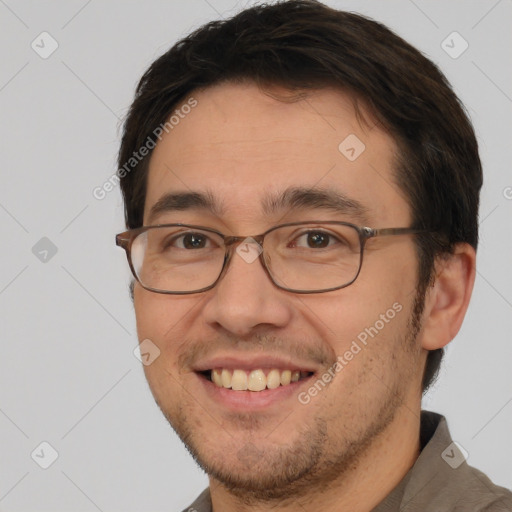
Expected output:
(313, 462)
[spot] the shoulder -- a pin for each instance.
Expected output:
(202, 504)
(441, 480)
(480, 494)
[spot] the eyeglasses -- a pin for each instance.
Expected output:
(300, 257)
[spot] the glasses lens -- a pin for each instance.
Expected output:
(311, 257)
(307, 257)
(177, 259)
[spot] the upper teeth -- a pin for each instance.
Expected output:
(255, 380)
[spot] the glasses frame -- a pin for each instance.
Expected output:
(125, 241)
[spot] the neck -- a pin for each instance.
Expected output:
(360, 488)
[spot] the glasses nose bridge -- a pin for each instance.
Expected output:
(231, 241)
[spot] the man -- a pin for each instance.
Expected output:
(301, 191)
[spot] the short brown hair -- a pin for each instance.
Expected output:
(301, 45)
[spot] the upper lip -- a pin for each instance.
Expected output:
(252, 362)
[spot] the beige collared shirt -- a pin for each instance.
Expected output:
(439, 481)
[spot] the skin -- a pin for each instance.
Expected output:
(355, 440)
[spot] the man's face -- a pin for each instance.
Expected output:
(241, 147)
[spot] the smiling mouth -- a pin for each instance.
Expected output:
(254, 380)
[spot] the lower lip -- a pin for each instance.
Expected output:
(251, 400)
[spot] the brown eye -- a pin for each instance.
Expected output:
(188, 241)
(318, 239)
(314, 240)
(194, 241)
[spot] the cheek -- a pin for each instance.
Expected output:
(390, 267)
(159, 319)
(159, 314)
(359, 313)
(375, 361)
(149, 315)
(164, 320)
(367, 324)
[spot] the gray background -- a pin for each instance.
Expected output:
(68, 375)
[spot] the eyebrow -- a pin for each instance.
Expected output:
(181, 201)
(297, 198)
(292, 199)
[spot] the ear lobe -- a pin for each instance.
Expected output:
(447, 300)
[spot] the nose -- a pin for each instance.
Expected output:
(245, 299)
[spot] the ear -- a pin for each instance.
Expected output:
(447, 300)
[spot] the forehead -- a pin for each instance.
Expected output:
(242, 145)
